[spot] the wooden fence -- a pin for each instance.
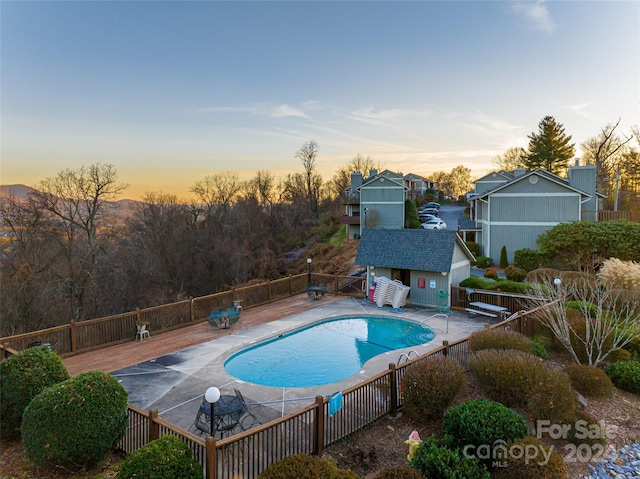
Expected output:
(82, 336)
(308, 430)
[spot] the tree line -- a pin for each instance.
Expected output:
(72, 253)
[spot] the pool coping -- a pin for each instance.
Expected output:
(174, 384)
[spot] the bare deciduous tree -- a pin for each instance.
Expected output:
(609, 318)
(78, 203)
(511, 159)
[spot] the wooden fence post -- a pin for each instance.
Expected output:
(74, 336)
(138, 315)
(393, 373)
(318, 445)
(212, 458)
(446, 348)
(154, 427)
(192, 310)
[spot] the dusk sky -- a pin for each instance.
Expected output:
(170, 92)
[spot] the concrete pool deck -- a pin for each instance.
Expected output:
(174, 384)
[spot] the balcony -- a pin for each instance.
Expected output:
(349, 220)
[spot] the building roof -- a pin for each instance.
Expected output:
(416, 249)
(540, 172)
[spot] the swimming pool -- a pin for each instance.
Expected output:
(325, 352)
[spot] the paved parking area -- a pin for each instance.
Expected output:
(174, 384)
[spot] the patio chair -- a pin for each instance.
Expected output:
(248, 420)
(142, 331)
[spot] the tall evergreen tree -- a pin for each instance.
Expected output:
(550, 147)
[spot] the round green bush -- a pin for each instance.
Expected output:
(476, 283)
(303, 465)
(513, 273)
(491, 273)
(430, 386)
(528, 460)
(483, 262)
(435, 460)
(498, 338)
(76, 422)
(589, 380)
(165, 458)
(625, 375)
(529, 259)
(508, 286)
(483, 422)
(22, 377)
(399, 472)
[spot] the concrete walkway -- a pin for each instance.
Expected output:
(174, 384)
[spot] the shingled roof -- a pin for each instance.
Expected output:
(416, 249)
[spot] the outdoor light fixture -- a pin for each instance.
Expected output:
(557, 281)
(211, 396)
(365, 217)
(309, 273)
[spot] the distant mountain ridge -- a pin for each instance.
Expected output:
(22, 191)
(19, 191)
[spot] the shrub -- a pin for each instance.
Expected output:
(303, 465)
(620, 274)
(543, 275)
(75, 422)
(399, 472)
(522, 380)
(498, 339)
(167, 457)
(529, 259)
(482, 422)
(510, 287)
(504, 259)
(589, 380)
(524, 466)
(474, 248)
(483, 261)
(435, 460)
(538, 348)
(22, 377)
(585, 429)
(491, 273)
(554, 399)
(625, 375)
(430, 386)
(476, 283)
(513, 273)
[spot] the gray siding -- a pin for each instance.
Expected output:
(547, 208)
(427, 296)
(514, 238)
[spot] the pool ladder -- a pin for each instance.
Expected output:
(435, 316)
(406, 356)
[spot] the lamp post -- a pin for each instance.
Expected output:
(211, 396)
(309, 273)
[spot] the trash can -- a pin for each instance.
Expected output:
(372, 292)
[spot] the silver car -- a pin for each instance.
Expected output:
(435, 224)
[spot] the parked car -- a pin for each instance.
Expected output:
(426, 217)
(433, 204)
(436, 224)
(428, 211)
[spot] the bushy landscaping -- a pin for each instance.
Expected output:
(22, 377)
(430, 386)
(76, 422)
(167, 457)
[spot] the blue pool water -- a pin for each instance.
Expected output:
(325, 352)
